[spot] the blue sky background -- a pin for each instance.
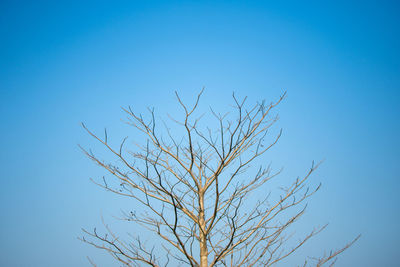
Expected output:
(63, 62)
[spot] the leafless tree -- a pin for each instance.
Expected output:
(196, 190)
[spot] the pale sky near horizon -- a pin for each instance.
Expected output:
(64, 62)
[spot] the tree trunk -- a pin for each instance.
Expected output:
(203, 237)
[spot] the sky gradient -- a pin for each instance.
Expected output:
(64, 62)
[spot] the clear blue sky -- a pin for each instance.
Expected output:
(63, 62)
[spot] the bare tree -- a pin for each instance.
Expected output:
(196, 190)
